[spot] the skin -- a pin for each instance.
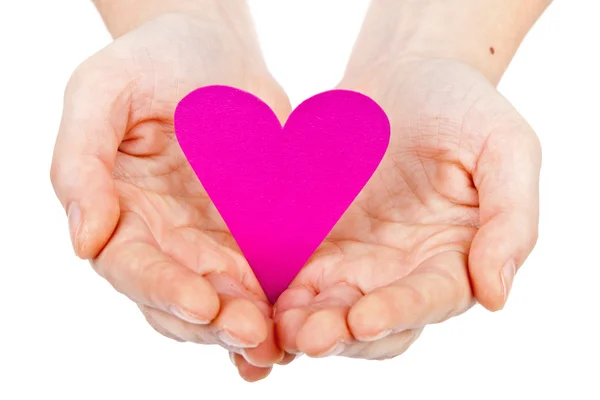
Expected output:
(446, 221)
(136, 209)
(452, 212)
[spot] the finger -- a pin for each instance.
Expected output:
(251, 327)
(385, 348)
(172, 326)
(248, 325)
(240, 324)
(239, 328)
(267, 353)
(275, 97)
(289, 315)
(199, 252)
(507, 179)
(216, 332)
(324, 331)
(247, 371)
(288, 358)
(438, 289)
(133, 264)
(94, 121)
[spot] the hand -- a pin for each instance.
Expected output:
(135, 207)
(449, 216)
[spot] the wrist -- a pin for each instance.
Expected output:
(122, 16)
(482, 33)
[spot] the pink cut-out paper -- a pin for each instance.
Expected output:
(280, 190)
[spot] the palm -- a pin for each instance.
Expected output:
(406, 239)
(163, 203)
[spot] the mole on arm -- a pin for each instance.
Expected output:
(492, 51)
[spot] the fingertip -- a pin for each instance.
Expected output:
(196, 301)
(488, 285)
(85, 189)
(287, 326)
(244, 320)
(267, 353)
(322, 334)
(369, 318)
(247, 371)
(264, 356)
(488, 297)
(497, 250)
(492, 289)
(92, 223)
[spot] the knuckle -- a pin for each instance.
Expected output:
(165, 281)
(156, 281)
(94, 76)
(412, 298)
(404, 303)
(79, 77)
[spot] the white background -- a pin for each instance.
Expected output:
(65, 334)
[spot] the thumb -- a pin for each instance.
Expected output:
(92, 127)
(507, 180)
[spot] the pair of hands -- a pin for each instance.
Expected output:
(447, 219)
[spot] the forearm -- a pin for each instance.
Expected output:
(483, 33)
(122, 16)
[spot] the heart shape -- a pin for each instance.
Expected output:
(280, 190)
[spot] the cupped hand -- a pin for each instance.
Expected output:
(447, 219)
(135, 207)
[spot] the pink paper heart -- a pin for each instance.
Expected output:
(280, 190)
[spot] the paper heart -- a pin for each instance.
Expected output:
(280, 190)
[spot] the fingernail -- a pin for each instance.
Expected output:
(244, 354)
(74, 217)
(187, 316)
(336, 350)
(379, 336)
(232, 341)
(232, 358)
(508, 275)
